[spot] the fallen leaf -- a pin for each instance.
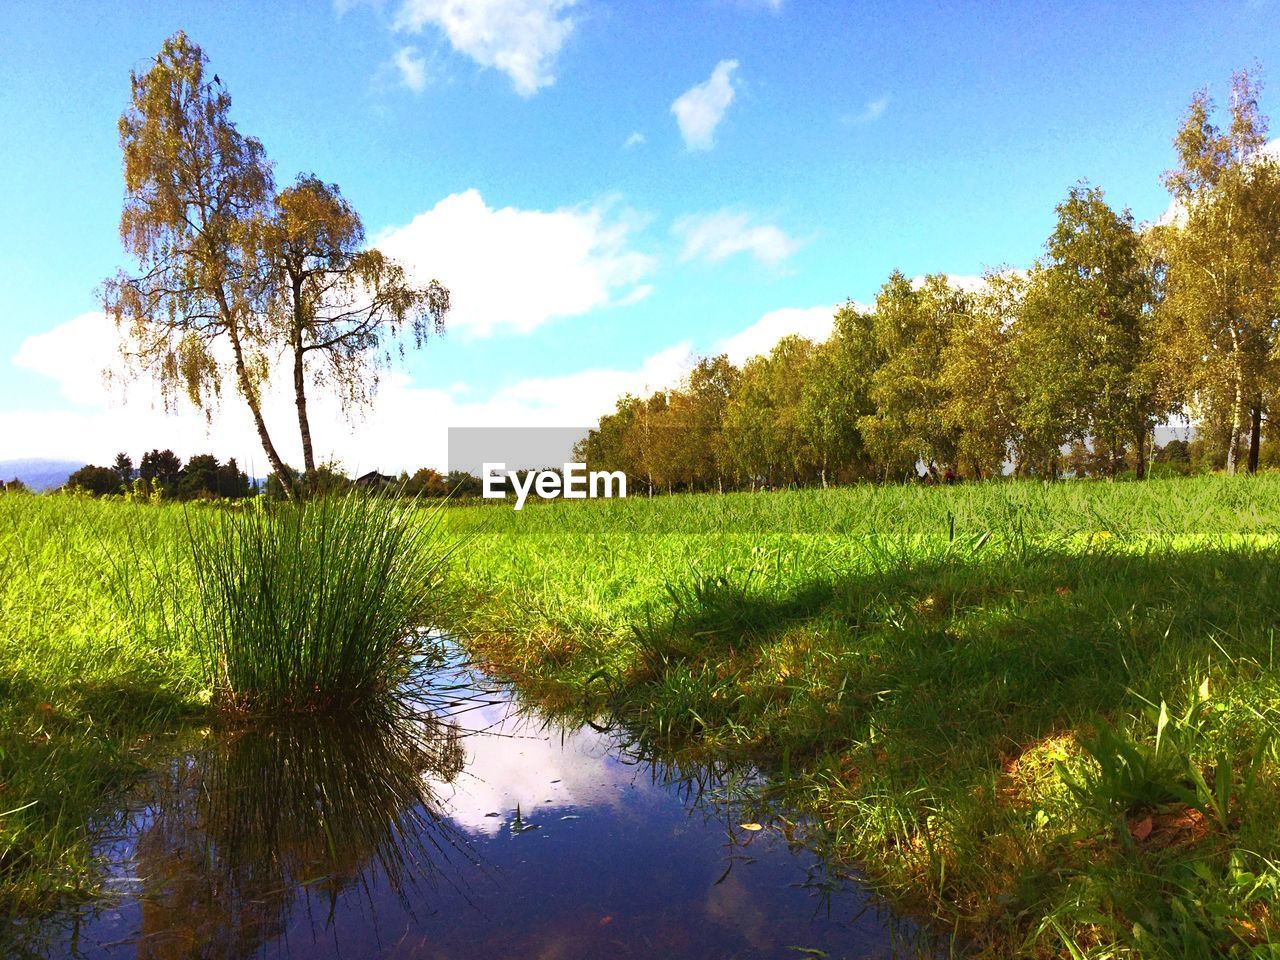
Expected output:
(1140, 829)
(751, 826)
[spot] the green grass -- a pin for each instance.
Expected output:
(991, 697)
(121, 622)
(1044, 716)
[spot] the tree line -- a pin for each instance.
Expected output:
(1065, 368)
(163, 475)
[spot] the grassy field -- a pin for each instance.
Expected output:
(1043, 715)
(122, 623)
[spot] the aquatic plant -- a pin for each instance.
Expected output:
(316, 607)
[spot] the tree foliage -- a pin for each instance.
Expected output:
(1221, 306)
(338, 304)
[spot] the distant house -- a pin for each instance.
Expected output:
(373, 480)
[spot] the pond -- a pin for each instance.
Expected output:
(482, 829)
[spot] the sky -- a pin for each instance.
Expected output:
(609, 188)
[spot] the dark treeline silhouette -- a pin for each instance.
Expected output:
(328, 479)
(161, 473)
(1063, 369)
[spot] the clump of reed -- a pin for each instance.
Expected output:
(315, 608)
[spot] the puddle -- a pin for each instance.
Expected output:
(482, 831)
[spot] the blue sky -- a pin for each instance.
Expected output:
(529, 154)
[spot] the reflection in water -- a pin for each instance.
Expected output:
(230, 837)
(472, 829)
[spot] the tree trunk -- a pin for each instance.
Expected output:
(250, 394)
(1235, 429)
(1140, 447)
(300, 392)
(1255, 435)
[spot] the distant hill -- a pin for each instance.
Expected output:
(39, 474)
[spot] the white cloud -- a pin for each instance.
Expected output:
(718, 236)
(516, 269)
(634, 140)
(406, 428)
(411, 68)
(519, 37)
(759, 338)
(506, 268)
(961, 281)
(592, 392)
(874, 109)
(76, 354)
(699, 110)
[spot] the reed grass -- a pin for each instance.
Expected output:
(320, 607)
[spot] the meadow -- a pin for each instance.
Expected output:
(1042, 716)
(125, 624)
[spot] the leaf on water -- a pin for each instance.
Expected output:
(810, 951)
(751, 826)
(724, 876)
(571, 816)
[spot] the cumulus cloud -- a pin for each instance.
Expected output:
(717, 236)
(522, 38)
(411, 68)
(513, 269)
(507, 269)
(961, 281)
(406, 428)
(759, 338)
(634, 140)
(699, 110)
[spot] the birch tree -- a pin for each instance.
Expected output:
(194, 187)
(1222, 254)
(340, 307)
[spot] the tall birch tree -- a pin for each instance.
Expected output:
(194, 187)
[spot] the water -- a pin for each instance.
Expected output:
(485, 831)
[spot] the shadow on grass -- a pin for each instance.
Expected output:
(957, 653)
(922, 710)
